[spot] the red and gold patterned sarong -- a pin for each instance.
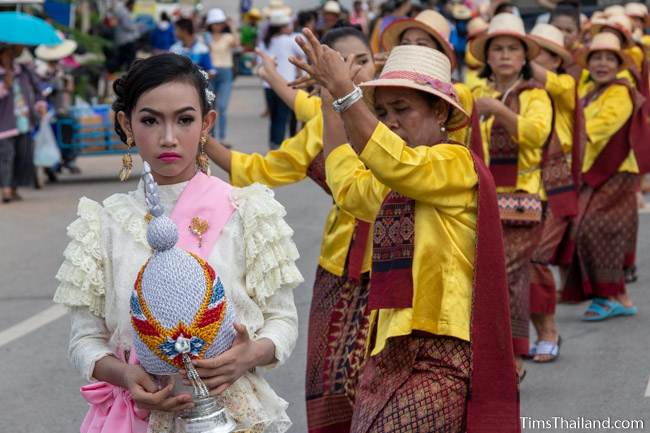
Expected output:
(605, 232)
(418, 383)
(338, 328)
(520, 243)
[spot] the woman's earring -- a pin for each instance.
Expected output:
(127, 160)
(202, 159)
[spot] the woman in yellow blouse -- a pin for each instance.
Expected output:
(608, 215)
(517, 116)
(426, 291)
(548, 70)
(338, 321)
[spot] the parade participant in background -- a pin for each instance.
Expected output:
(516, 121)
(331, 15)
(162, 107)
(475, 27)
(359, 16)
(566, 17)
(222, 43)
(431, 29)
(189, 45)
(605, 229)
(393, 10)
(338, 321)
(21, 105)
(163, 35)
(561, 161)
(424, 299)
(638, 13)
(59, 91)
(279, 44)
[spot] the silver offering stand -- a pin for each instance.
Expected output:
(208, 414)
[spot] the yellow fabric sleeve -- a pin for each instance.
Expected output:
(306, 107)
(603, 118)
(437, 175)
(534, 119)
(286, 165)
(466, 99)
(561, 88)
(353, 186)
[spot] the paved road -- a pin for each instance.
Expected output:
(603, 370)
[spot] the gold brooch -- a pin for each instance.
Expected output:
(148, 217)
(198, 227)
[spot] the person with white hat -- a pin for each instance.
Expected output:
(279, 43)
(562, 156)
(610, 178)
(428, 287)
(222, 42)
(59, 91)
(475, 27)
(516, 122)
(430, 29)
(331, 14)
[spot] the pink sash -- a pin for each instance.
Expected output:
(207, 198)
(112, 409)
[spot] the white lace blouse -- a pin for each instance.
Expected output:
(255, 258)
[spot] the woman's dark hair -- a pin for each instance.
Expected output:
(186, 25)
(503, 7)
(305, 16)
(567, 9)
(332, 36)
(486, 72)
(147, 74)
(165, 17)
(270, 32)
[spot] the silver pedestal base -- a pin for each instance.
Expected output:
(207, 416)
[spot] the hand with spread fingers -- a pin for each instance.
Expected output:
(326, 66)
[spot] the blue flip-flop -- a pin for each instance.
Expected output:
(614, 309)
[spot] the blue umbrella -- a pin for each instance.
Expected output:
(21, 29)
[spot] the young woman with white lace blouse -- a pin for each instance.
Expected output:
(163, 108)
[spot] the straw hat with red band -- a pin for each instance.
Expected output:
(637, 10)
(428, 21)
(475, 27)
(604, 42)
(614, 10)
(551, 38)
(504, 25)
(621, 23)
(423, 69)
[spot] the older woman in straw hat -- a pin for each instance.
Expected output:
(517, 116)
(605, 228)
(428, 343)
(338, 322)
(431, 29)
(560, 168)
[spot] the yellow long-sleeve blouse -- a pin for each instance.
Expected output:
(533, 128)
(562, 90)
(466, 100)
(603, 118)
(442, 180)
(288, 165)
(306, 107)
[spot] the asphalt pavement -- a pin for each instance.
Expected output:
(602, 372)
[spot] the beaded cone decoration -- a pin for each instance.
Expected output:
(178, 305)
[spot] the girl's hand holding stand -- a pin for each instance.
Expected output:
(245, 354)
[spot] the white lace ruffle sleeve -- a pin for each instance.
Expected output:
(81, 276)
(271, 272)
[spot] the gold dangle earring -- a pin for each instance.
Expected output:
(127, 160)
(202, 159)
